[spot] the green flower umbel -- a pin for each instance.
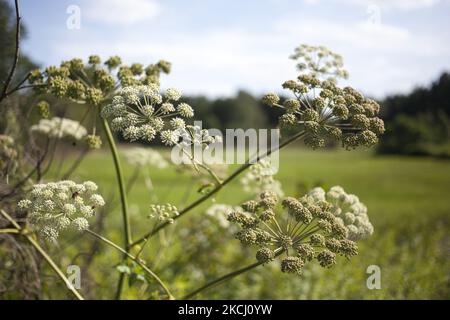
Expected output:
(301, 230)
(324, 110)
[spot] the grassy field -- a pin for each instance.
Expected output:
(408, 201)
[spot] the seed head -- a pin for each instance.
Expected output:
(265, 255)
(292, 265)
(326, 258)
(271, 99)
(306, 252)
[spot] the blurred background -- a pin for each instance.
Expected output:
(225, 56)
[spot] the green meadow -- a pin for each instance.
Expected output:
(408, 203)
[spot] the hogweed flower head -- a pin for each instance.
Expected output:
(55, 206)
(93, 83)
(326, 111)
(141, 113)
(191, 136)
(163, 212)
(306, 229)
(60, 128)
(348, 209)
(319, 61)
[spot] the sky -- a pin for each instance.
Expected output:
(219, 47)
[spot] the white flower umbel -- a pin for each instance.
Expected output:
(163, 212)
(260, 178)
(319, 61)
(142, 157)
(60, 128)
(348, 209)
(55, 206)
(140, 112)
(193, 136)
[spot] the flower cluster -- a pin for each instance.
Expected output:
(141, 112)
(60, 128)
(308, 229)
(348, 209)
(192, 135)
(142, 157)
(325, 111)
(260, 178)
(44, 109)
(91, 83)
(319, 61)
(163, 212)
(56, 206)
(93, 141)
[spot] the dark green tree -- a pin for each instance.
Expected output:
(418, 123)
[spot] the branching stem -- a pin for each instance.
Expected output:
(227, 277)
(218, 187)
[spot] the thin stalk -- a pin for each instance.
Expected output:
(135, 259)
(44, 254)
(9, 230)
(16, 52)
(219, 186)
(226, 277)
(123, 200)
(195, 162)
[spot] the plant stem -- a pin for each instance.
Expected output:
(226, 277)
(44, 254)
(120, 180)
(4, 93)
(123, 200)
(136, 259)
(9, 230)
(218, 187)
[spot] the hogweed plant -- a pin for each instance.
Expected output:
(128, 101)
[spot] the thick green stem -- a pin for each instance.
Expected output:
(123, 199)
(218, 187)
(121, 182)
(44, 254)
(226, 277)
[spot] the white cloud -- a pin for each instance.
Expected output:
(216, 62)
(386, 4)
(406, 4)
(119, 12)
(381, 58)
